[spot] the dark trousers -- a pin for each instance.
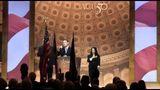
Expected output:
(50, 72)
(93, 72)
(43, 75)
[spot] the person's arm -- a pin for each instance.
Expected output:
(58, 52)
(98, 62)
(98, 59)
(61, 51)
(89, 58)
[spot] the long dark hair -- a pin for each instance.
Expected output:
(96, 52)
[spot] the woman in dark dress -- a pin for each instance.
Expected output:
(94, 63)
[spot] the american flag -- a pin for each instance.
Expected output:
(46, 35)
(45, 56)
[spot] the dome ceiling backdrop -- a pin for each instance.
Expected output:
(104, 25)
(107, 30)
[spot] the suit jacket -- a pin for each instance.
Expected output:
(52, 56)
(40, 54)
(62, 51)
(94, 63)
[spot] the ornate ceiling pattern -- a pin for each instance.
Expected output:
(107, 30)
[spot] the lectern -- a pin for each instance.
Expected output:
(64, 64)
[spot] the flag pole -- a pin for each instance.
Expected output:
(55, 52)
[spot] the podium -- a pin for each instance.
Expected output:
(64, 64)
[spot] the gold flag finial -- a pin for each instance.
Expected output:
(45, 19)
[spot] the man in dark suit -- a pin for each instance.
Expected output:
(51, 64)
(65, 49)
(44, 52)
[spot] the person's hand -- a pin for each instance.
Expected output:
(53, 66)
(64, 55)
(91, 58)
(98, 67)
(95, 56)
(60, 47)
